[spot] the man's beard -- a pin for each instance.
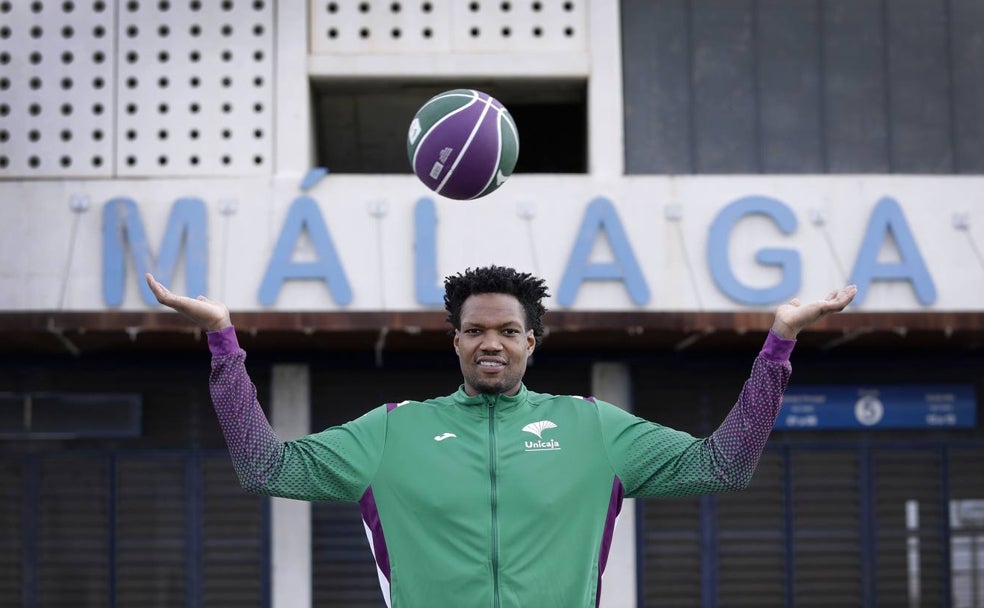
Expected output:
(495, 387)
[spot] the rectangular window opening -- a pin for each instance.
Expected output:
(361, 127)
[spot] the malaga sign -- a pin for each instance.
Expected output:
(645, 243)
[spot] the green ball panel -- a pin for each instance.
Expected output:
(433, 110)
(509, 155)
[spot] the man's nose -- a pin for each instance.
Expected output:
(491, 341)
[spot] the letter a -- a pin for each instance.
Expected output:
(888, 220)
(304, 214)
(602, 219)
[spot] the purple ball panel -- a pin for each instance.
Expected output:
(477, 167)
(445, 139)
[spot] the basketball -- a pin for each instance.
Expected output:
(463, 144)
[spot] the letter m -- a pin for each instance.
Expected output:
(124, 231)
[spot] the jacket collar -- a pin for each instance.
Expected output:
(502, 403)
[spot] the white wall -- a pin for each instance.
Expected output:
(51, 257)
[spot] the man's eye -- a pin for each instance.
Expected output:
(511, 332)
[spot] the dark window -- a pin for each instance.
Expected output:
(362, 128)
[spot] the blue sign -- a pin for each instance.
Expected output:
(828, 407)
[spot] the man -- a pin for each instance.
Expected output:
(494, 495)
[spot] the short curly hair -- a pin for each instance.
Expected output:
(526, 288)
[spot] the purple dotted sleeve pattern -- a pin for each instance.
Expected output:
(256, 451)
(738, 443)
(653, 460)
(335, 464)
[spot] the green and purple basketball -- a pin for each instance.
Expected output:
(463, 144)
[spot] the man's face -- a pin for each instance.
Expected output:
(493, 343)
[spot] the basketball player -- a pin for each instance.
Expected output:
(494, 495)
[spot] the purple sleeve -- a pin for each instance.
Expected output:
(777, 349)
(654, 460)
(256, 451)
(738, 443)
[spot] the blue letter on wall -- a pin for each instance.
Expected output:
(122, 227)
(786, 259)
(887, 219)
(304, 214)
(601, 219)
(426, 286)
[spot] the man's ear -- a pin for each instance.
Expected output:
(457, 334)
(530, 342)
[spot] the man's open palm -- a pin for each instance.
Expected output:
(792, 317)
(207, 314)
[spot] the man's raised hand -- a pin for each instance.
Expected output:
(794, 316)
(207, 314)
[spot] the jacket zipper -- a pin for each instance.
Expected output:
(495, 517)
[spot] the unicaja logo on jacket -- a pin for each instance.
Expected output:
(541, 445)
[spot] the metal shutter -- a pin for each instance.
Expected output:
(233, 539)
(671, 552)
(152, 550)
(11, 533)
(751, 539)
(966, 538)
(73, 532)
(344, 571)
(186, 530)
(826, 528)
(908, 517)
(139, 530)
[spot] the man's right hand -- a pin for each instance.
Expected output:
(207, 314)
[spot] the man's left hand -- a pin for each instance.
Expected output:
(794, 316)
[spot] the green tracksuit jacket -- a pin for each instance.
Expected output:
(493, 500)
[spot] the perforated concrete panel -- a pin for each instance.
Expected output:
(135, 88)
(195, 87)
(440, 26)
(56, 89)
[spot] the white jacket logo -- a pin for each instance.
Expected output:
(537, 429)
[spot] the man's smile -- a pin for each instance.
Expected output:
(491, 363)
